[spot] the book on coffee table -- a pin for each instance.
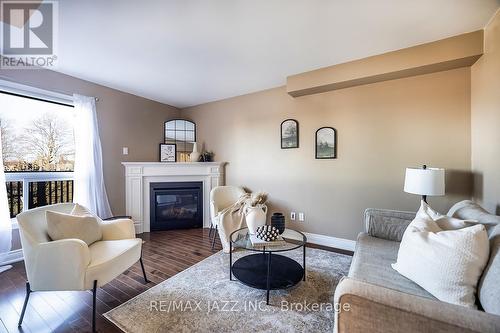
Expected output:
(257, 242)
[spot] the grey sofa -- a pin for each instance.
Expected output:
(382, 300)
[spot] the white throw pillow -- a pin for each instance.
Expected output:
(443, 221)
(80, 210)
(446, 263)
(65, 226)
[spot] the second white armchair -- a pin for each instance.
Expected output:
(222, 197)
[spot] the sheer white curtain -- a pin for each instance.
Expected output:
(89, 188)
(5, 223)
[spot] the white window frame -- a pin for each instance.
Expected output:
(29, 91)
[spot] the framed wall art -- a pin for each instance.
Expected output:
(289, 134)
(326, 143)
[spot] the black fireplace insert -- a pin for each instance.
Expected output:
(176, 205)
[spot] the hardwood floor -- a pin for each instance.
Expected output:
(165, 253)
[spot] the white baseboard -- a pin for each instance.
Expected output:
(12, 257)
(338, 243)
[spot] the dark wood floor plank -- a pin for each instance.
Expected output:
(9, 315)
(32, 319)
(61, 308)
(49, 315)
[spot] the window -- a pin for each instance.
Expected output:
(38, 151)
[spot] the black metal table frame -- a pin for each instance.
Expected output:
(269, 255)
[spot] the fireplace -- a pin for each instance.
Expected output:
(176, 205)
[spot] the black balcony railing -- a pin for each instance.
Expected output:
(39, 192)
(15, 196)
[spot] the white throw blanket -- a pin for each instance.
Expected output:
(231, 219)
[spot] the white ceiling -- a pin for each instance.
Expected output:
(188, 52)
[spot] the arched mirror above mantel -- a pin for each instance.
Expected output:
(183, 133)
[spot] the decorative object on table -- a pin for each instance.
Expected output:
(195, 155)
(168, 152)
(425, 181)
(278, 221)
(267, 233)
(182, 133)
(261, 243)
(289, 134)
(326, 143)
(255, 211)
(207, 156)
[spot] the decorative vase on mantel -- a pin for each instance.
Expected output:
(255, 217)
(195, 155)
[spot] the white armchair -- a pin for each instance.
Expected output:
(69, 264)
(221, 197)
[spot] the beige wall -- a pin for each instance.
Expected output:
(485, 111)
(382, 128)
(125, 120)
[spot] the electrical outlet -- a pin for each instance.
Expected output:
(302, 218)
(292, 216)
(125, 150)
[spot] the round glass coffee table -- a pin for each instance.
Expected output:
(266, 269)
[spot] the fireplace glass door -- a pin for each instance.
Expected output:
(176, 205)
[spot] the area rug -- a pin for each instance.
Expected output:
(203, 299)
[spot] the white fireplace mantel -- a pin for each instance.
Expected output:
(139, 175)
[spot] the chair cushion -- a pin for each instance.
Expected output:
(489, 287)
(67, 226)
(108, 259)
(372, 263)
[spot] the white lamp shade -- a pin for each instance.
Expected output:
(428, 181)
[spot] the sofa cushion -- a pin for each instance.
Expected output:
(469, 210)
(372, 263)
(446, 263)
(489, 286)
(387, 224)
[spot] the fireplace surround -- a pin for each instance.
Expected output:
(140, 175)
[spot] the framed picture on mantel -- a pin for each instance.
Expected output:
(168, 152)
